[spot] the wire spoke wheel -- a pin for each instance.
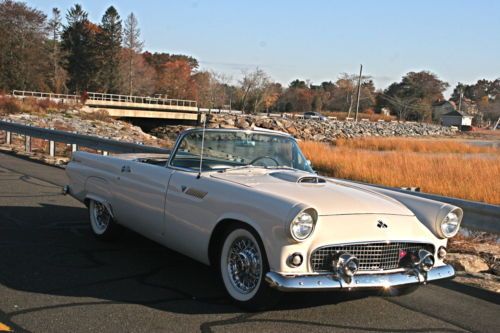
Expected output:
(99, 217)
(244, 265)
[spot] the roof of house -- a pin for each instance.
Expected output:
(457, 114)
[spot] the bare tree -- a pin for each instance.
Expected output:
(255, 87)
(133, 45)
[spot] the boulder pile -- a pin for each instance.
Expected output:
(316, 130)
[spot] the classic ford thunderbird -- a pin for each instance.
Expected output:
(249, 203)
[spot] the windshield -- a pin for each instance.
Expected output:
(232, 149)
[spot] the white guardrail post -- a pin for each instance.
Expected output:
(27, 143)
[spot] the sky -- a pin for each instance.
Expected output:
(318, 40)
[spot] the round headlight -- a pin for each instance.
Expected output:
(302, 226)
(450, 224)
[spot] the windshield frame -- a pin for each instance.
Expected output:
(262, 132)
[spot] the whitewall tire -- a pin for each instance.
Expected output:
(102, 224)
(243, 266)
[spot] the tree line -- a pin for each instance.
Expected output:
(41, 52)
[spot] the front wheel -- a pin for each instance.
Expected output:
(243, 265)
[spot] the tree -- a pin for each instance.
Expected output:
(79, 42)
(23, 57)
(297, 98)
(58, 75)
(255, 87)
(144, 82)
(133, 46)
(342, 95)
(109, 42)
(158, 59)
(176, 81)
(414, 95)
(484, 93)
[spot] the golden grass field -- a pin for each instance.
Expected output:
(441, 166)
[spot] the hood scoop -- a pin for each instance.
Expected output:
(298, 177)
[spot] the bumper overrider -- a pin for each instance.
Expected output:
(416, 268)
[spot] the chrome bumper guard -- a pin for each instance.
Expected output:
(329, 281)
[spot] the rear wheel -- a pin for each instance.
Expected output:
(101, 222)
(242, 266)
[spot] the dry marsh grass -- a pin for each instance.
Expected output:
(414, 145)
(446, 173)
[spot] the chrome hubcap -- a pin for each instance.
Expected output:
(244, 265)
(101, 217)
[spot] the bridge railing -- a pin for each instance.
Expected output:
(477, 215)
(37, 94)
(93, 96)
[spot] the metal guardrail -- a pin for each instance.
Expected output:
(76, 140)
(477, 215)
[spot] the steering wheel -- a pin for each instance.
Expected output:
(264, 157)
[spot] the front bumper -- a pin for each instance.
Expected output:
(331, 282)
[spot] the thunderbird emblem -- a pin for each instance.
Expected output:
(381, 224)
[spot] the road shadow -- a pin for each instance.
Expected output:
(50, 250)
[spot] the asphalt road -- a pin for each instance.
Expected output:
(55, 277)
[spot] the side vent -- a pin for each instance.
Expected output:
(195, 193)
(311, 180)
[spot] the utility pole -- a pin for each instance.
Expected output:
(359, 90)
(460, 100)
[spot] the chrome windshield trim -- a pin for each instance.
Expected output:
(188, 131)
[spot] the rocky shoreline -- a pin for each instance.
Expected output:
(315, 130)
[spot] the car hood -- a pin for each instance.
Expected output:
(325, 195)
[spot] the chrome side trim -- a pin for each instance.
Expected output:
(330, 282)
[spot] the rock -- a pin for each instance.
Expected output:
(242, 123)
(469, 263)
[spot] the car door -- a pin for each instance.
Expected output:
(139, 197)
(188, 217)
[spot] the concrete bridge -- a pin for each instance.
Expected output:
(123, 106)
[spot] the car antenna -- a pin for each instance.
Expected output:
(202, 146)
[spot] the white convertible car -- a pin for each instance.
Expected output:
(248, 203)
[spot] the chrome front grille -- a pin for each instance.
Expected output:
(371, 256)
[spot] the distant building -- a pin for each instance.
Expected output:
(443, 107)
(455, 118)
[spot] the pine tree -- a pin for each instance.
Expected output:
(58, 74)
(79, 43)
(110, 40)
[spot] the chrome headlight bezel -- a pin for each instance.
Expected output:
(297, 219)
(452, 217)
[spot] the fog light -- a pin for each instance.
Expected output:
(295, 260)
(426, 260)
(442, 252)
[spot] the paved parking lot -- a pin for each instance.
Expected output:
(56, 277)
